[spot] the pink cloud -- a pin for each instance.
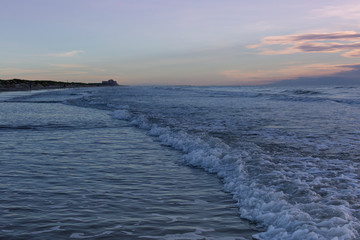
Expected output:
(347, 42)
(67, 54)
(288, 72)
(65, 66)
(353, 53)
(342, 11)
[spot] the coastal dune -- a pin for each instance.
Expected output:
(25, 85)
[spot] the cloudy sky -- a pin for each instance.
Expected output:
(196, 42)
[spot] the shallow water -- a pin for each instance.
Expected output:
(288, 157)
(71, 172)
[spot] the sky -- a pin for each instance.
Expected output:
(178, 42)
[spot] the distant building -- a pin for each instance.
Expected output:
(109, 82)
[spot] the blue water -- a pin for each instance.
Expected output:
(181, 163)
(73, 173)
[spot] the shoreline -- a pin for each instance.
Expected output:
(13, 85)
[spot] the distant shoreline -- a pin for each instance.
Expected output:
(28, 85)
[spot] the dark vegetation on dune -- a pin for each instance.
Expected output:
(23, 85)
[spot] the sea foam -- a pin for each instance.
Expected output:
(285, 200)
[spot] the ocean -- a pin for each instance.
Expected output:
(181, 162)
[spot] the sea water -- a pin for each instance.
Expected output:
(181, 163)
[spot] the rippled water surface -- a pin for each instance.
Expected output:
(72, 172)
(155, 163)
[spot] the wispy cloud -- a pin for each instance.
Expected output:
(353, 53)
(343, 11)
(289, 72)
(65, 66)
(67, 54)
(347, 42)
